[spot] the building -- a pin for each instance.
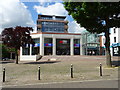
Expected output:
(52, 38)
(114, 42)
(91, 44)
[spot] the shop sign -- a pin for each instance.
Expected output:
(118, 44)
(76, 45)
(115, 51)
(36, 45)
(63, 41)
(48, 44)
(114, 44)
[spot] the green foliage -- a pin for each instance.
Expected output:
(6, 50)
(91, 15)
(96, 17)
(17, 37)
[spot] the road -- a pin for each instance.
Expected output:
(75, 84)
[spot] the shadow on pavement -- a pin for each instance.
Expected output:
(42, 62)
(116, 63)
(5, 62)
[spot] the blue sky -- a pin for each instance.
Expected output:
(30, 7)
(17, 13)
(33, 12)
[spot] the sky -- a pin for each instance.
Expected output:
(24, 13)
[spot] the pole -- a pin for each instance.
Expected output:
(39, 73)
(100, 69)
(4, 74)
(86, 43)
(71, 71)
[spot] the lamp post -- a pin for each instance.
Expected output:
(86, 43)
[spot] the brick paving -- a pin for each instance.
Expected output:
(58, 70)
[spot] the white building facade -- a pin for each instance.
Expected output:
(52, 38)
(52, 44)
(114, 42)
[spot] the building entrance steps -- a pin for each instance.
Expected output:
(74, 57)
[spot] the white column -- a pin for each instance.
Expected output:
(20, 51)
(11, 55)
(41, 45)
(71, 47)
(54, 46)
(30, 50)
(81, 51)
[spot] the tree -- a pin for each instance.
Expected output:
(17, 37)
(6, 51)
(96, 17)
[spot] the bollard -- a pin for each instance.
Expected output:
(3, 74)
(100, 69)
(39, 73)
(71, 71)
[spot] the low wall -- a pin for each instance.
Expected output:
(28, 58)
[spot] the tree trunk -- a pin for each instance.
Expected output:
(107, 45)
(16, 57)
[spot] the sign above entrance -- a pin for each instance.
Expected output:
(76, 45)
(114, 44)
(63, 41)
(48, 44)
(36, 45)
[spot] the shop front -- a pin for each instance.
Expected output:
(48, 46)
(116, 49)
(62, 46)
(52, 44)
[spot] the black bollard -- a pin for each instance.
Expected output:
(39, 73)
(71, 71)
(3, 74)
(100, 69)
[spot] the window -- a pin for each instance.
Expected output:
(114, 30)
(26, 51)
(38, 29)
(114, 39)
(38, 22)
(36, 40)
(47, 40)
(35, 50)
(76, 41)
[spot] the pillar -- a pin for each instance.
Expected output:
(41, 46)
(21, 51)
(71, 47)
(81, 51)
(30, 50)
(54, 46)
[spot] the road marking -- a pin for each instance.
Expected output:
(58, 82)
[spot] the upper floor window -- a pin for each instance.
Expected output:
(114, 30)
(46, 18)
(38, 29)
(38, 22)
(114, 39)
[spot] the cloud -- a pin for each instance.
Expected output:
(74, 27)
(14, 13)
(48, 2)
(54, 9)
(58, 9)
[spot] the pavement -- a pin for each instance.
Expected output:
(88, 75)
(73, 84)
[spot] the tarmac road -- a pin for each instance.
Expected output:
(74, 84)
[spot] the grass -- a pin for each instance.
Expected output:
(83, 68)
